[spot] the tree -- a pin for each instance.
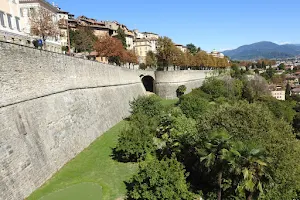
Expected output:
(42, 24)
(201, 59)
(223, 87)
(166, 51)
(217, 146)
(110, 47)
(171, 132)
(192, 48)
(122, 37)
(83, 39)
(278, 79)
(251, 165)
(147, 105)
(135, 142)
(270, 72)
(288, 91)
(281, 109)
(254, 123)
(194, 105)
(281, 66)
(151, 59)
(129, 57)
(255, 87)
(180, 90)
(165, 179)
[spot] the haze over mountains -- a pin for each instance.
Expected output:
(263, 49)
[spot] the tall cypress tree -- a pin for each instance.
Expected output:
(122, 36)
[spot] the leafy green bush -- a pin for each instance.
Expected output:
(215, 87)
(136, 141)
(156, 180)
(147, 105)
(180, 90)
(172, 130)
(281, 109)
(223, 87)
(193, 105)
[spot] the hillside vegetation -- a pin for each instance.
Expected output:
(228, 139)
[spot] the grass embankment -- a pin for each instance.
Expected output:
(93, 166)
(93, 174)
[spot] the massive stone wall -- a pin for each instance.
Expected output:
(52, 107)
(167, 82)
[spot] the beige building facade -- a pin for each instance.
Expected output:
(152, 37)
(11, 23)
(141, 47)
(181, 47)
(278, 94)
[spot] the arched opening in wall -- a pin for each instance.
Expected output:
(148, 83)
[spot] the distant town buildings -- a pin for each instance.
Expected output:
(29, 7)
(63, 18)
(143, 43)
(15, 26)
(216, 54)
(278, 92)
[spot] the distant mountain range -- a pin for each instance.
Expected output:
(263, 49)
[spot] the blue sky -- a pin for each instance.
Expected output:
(209, 24)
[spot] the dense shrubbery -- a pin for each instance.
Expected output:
(156, 180)
(194, 104)
(180, 90)
(150, 106)
(136, 141)
(235, 141)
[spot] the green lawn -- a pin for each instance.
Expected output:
(90, 173)
(169, 102)
(90, 191)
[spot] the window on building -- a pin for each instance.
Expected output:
(9, 21)
(2, 19)
(31, 11)
(18, 23)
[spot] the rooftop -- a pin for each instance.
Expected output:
(50, 6)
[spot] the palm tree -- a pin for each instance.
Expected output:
(214, 154)
(251, 166)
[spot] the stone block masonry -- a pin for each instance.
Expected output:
(53, 106)
(167, 82)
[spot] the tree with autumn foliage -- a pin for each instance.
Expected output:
(111, 48)
(166, 51)
(129, 57)
(42, 24)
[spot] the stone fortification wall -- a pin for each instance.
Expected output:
(52, 107)
(167, 82)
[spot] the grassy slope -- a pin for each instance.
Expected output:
(95, 165)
